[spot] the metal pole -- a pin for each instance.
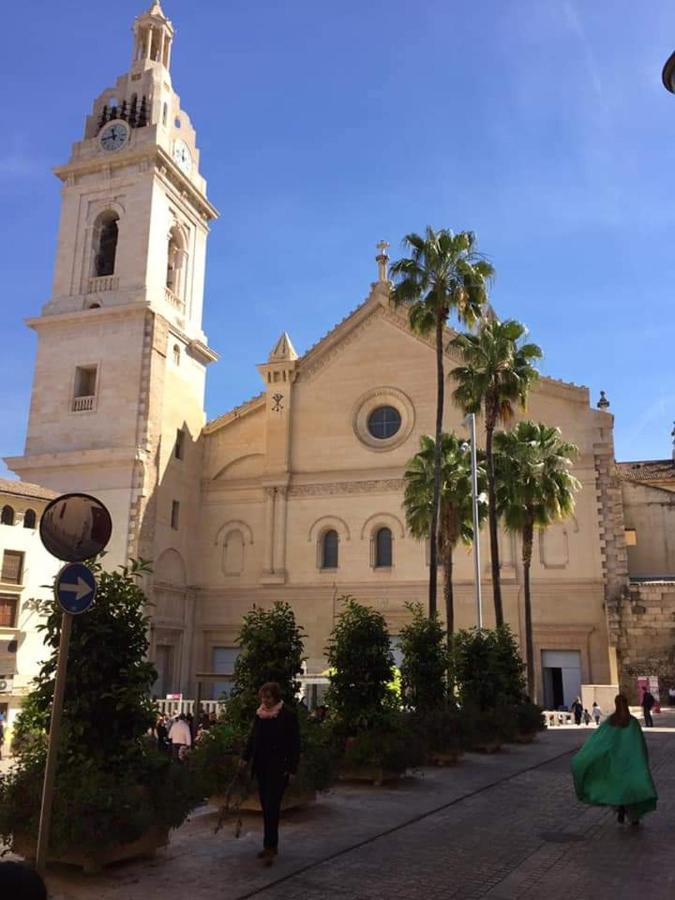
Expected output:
(476, 532)
(53, 746)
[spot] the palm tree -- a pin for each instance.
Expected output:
(456, 509)
(534, 489)
(497, 374)
(444, 273)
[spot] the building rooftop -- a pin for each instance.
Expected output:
(26, 489)
(647, 470)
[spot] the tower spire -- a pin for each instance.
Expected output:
(153, 36)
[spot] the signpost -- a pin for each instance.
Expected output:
(73, 527)
(75, 588)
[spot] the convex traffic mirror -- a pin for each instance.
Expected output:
(75, 527)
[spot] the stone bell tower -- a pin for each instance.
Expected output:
(118, 391)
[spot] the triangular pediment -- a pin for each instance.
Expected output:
(376, 308)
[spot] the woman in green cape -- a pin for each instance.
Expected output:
(612, 768)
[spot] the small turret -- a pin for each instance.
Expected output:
(283, 350)
(153, 35)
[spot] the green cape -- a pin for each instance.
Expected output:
(612, 769)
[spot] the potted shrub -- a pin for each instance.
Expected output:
(371, 733)
(116, 795)
(488, 674)
(384, 750)
(424, 687)
(529, 719)
(442, 732)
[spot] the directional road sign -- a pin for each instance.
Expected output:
(75, 588)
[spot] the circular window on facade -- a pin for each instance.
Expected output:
(383, 418)
(384, 422)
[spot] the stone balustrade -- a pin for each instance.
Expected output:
(83, 404)
(102, 283)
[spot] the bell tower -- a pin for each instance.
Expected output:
(118, 391)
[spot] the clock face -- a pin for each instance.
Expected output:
(114, 135)
(182, 156)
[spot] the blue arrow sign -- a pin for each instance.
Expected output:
(75, 588)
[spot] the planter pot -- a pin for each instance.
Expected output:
(492, 746)
(292, 799)
(445, 757)
(374, 775)
(92, 861)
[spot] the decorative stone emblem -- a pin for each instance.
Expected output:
(277, 404)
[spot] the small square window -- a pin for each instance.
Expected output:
(12, 567)
(85, 381)
(179, 446)
(175, 512)
(84, 393)
(8, 610)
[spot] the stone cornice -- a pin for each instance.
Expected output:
(382, 592)
(100, 458)
(152, 153)
(324, 489)
(238, 412)
(104, 312)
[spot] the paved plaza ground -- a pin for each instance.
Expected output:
(500, 827)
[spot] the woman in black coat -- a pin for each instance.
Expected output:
(273, 748)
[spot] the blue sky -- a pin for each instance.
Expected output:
(542, 125)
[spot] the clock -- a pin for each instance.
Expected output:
(114, 135)
(181, 154)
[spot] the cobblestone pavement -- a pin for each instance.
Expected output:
(500, 827)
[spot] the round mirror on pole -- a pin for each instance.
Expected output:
(75, 527)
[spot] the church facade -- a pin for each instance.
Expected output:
(296, 494)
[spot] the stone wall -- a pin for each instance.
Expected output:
(650, 513)
(642, 625)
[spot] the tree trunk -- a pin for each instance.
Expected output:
(492, 520)
(433, 531)
(449, 598)
(528, 534)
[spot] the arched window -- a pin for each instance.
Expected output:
(29, 518)
(156, 45)
(383, 555)
(176, 355)
(329, 549)
(233, 553)
(105, 243)
(175, 262)
(165, 110)
(7, 517)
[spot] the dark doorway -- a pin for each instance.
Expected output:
(554, 696)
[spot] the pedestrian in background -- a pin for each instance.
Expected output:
(612, 768)
(180, 737)
(648, 702)
(162, 734)
(578, 711)
(273, 749)
(596, 712)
